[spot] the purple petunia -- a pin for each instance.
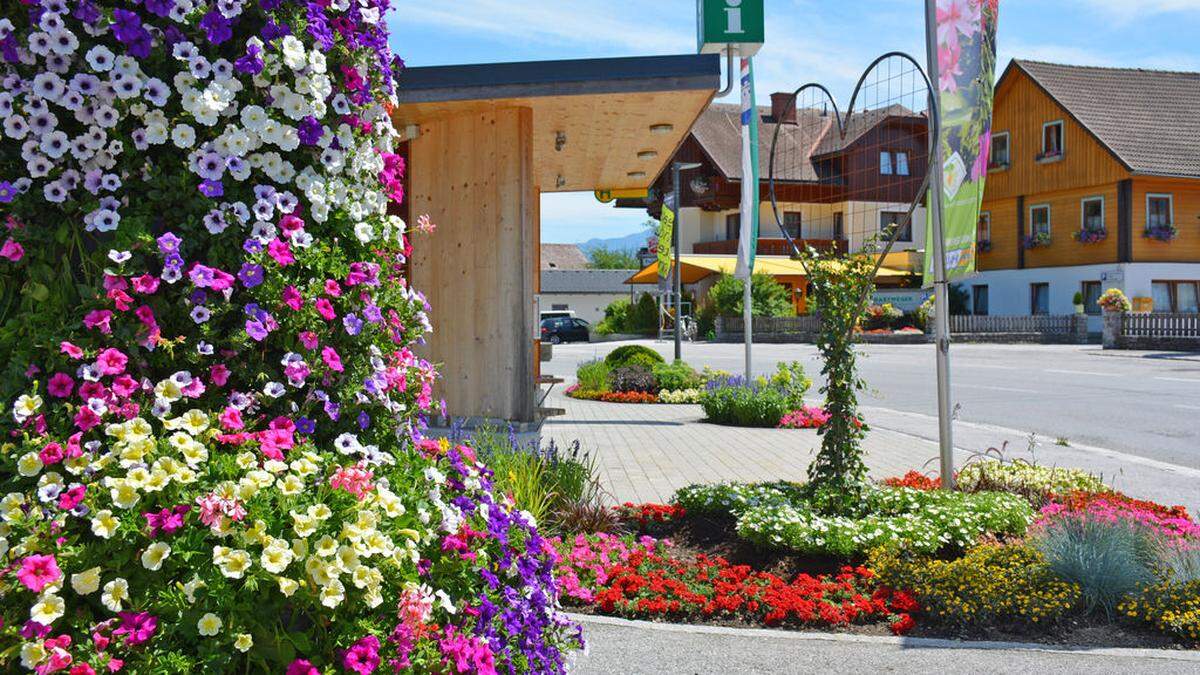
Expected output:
(251, 275)
(216, 27)
(310, 130)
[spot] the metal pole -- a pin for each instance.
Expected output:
(941, 287)
(748, 321)
(677, 190)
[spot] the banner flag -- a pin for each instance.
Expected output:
(748, 237)
(666, 231)
(964, 77)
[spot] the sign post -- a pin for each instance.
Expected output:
(725, 23)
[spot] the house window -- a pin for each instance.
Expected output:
(1039, 299)
(984, 231)
(892, 219)
(1176, 296)
(1091, 296)
(559, 307)
(839, 226)
(1052, 139)
(1092, 209)
(1160, 211)
(1000, 150)
(901, 163)
(885, 163)
(1039, 220)
(979, 300)
(733, 226)
(893, 163)
(792, 223)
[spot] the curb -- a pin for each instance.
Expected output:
(907, 643)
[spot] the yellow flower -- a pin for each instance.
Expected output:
(124, 495)
(333, 593)
(287, 586)
(155, 554)
(29, 465)
(234, 564)
(243, 642)
(115, 593)
(104, 525)
(47, 609)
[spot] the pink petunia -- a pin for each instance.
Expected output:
(332, 288)
(146, 284)
(99, 319)
(279, 250)
(231, 419)
(12, 250)
(70, 350)
(51, 454)
(60, 385)
(292, 298)
(309, 339)
(325, 309)
(111, 362)
(219, 374)
(38, 571)
(330, 356)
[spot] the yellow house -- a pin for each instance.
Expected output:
(1094, 183)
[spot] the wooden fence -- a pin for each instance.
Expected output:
(809, 323)
(1160, 325)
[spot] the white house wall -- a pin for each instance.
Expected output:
(587, 306)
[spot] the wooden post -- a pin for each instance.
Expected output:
(473, 174)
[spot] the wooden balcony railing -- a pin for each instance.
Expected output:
(768, 246)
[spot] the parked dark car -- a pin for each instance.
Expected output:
(564, 329)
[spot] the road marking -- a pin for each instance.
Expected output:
(1179, 379)
(1187, 407)
(1081, 372)
(995, 388)
(970, 366)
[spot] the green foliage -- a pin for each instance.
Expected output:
(593, 375)
(990, 585)
(1035, 482)
(616, 317)
(789, 377)
(734, 498)
(840, 288)
(744, 405)
(604, 258)
(1107, 558)
(767, 296)
(633, 377)
(643, 315)
(676, 376)
(633, 355)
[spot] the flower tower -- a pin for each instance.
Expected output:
(212, 456)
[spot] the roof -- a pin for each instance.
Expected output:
(563, 257)
(559, 78)
(697, 267)
(719, 132)
(1147, 118)
(585, 281)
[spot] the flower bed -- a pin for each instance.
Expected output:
(636, 374)
(807, 417)
(219, 464)
(762, 402)
(647, 580)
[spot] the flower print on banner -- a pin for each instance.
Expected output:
(211, 400)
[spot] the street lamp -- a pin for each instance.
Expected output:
(677, 167)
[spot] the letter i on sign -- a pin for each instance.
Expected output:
(734, 15)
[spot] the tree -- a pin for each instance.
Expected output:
(767, 296)
(604, 258)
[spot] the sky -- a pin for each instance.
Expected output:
(806, 40)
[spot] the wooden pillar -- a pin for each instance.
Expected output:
(1125, 220)
(473, 174)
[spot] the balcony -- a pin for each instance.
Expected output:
(768, 246)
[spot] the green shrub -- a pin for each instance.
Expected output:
(768, 297)
(633, 354)
(616, 317)
(791, 380)
(992, 584)
(676, 376)
(632, 378)
(643, 315)
(1178, 560)
(593, 375)
(1171, 607)
(1107, 558)
(737, 403)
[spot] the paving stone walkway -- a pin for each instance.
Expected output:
(646, 452)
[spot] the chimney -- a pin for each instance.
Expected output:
(782, 110)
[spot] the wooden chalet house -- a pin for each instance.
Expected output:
(1094, 183)
(835, 191)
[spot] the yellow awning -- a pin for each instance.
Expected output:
(697, 267)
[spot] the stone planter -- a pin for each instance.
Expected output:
(1112, 329)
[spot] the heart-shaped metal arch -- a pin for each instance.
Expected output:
(842, 129)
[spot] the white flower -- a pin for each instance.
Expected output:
(47, 609)
(115, 593)
(293, 53)
(155, 554)
(104, 525)
(100, 58)
(243, 642)
(209, 625)
(183, 136)
(86, 582)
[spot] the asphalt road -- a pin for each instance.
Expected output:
(1141, 403)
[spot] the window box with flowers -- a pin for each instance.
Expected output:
(1090, 235)
(1038, 240)
(1165, 232)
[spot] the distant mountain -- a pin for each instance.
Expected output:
(630, 242)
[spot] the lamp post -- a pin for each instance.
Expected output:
(677, 190)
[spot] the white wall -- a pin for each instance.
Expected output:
(587, 306)
(1008, 290)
